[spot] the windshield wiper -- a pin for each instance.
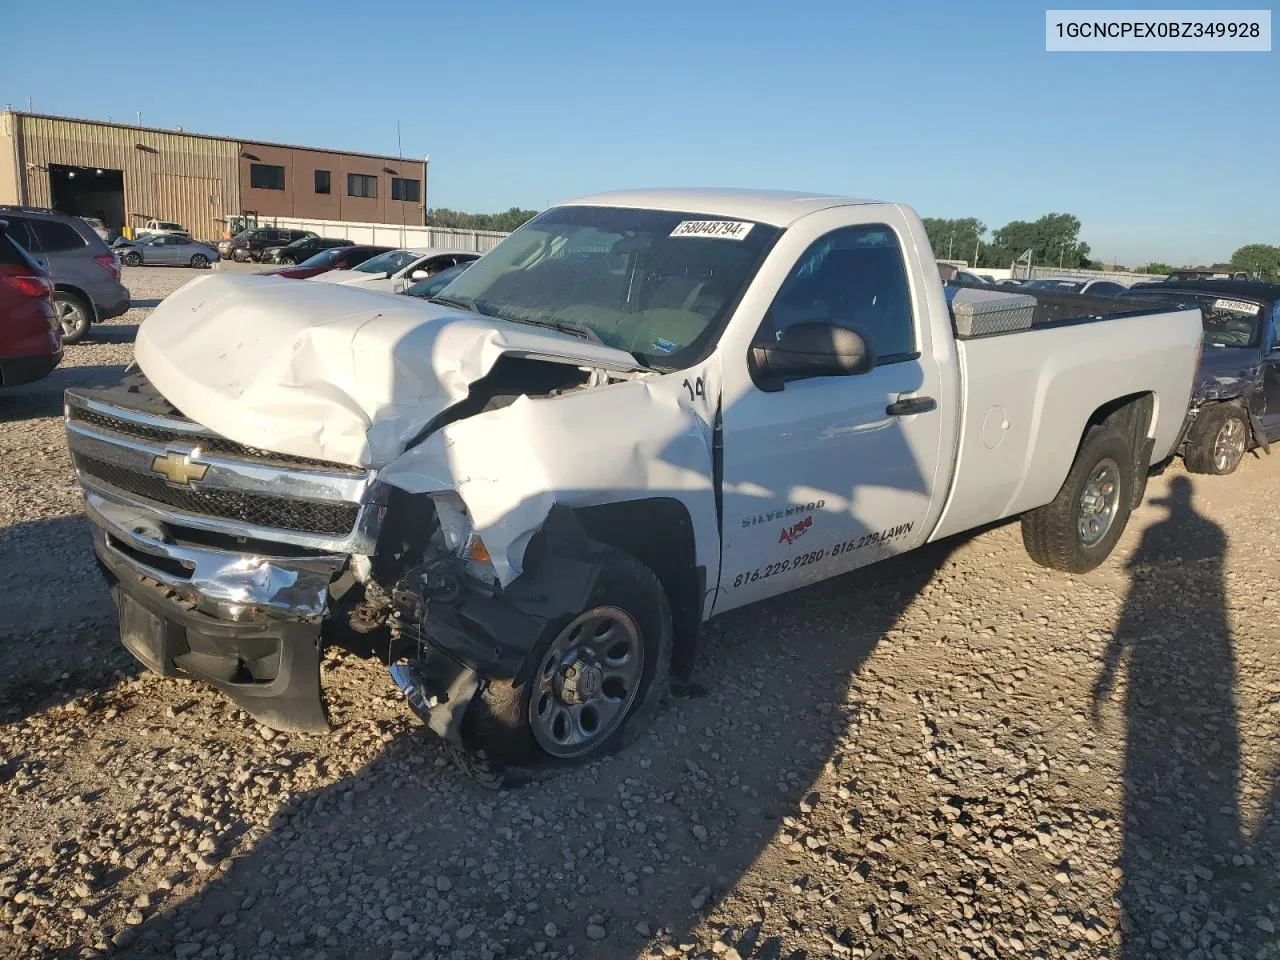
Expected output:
(563, 326)
(468, 305)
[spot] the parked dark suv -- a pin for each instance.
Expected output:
(301, 250)
(249, 244)
(84, 270)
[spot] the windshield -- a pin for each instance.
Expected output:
(1062, 286)
(388, 262)
(659, 285)
(1228, 322)
(433, 285)
(323, 258)
(1231, 323)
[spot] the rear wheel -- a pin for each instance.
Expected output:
(1221, 440)
(200, 261)
(1080, 527)
(597, 678)
(73, 316)
(240, 256)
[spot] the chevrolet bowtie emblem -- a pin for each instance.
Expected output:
(178, 468)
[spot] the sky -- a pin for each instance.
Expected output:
(956, 110)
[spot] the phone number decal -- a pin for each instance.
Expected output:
(781, 566)
(872, 539)
(803, 560)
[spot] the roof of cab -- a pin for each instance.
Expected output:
(777, 207)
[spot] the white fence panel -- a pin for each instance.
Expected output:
(392, 234)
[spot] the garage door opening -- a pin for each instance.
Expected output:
(89, 192)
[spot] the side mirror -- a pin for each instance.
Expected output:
(811, 350)
(419, 274)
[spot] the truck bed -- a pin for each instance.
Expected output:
(1055, 308)
(1027, 398)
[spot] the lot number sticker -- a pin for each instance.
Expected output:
(1236, 306)
(724, 229)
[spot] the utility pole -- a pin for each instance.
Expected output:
(976, 242)
(950, 241)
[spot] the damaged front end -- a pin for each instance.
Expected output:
(224, 560)
(452, 626)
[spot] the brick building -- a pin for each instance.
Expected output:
(128, 174)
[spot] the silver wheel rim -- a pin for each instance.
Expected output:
(133, 259)
(69, 316)
(1228, 445)
(199, 261)
(1099, 502)
(587, 682)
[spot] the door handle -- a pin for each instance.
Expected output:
(909, 405)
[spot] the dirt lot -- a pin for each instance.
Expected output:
(956, 755)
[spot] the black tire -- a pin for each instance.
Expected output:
(1052, 534)
(239, 256)
(200, 261)
(74, 315)
(499, 747)
(1225, 424)
(288, 261)
(132, 259)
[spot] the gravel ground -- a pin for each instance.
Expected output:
(957, 754)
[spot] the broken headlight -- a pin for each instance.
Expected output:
(459, 536)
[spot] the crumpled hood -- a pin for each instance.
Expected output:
(1226, 372)
(329, 372)
(349, 276)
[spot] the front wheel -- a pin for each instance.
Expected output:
(133, 259)
(200, 261)
(594, 681)
(288, 261)
(1220, 442)
(1079, 528)
(73, 316)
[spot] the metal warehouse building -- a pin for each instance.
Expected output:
(126, 175)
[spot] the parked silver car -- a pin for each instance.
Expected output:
(172, 250)
(85, 271)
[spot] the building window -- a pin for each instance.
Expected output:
(265, 176)
(322, 181)
(360, 185)
(402, 189)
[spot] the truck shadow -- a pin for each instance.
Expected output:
(43, 398)
(1184, 824)
(55, 645)
(776, 695)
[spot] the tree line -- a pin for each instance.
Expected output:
(1054, 240)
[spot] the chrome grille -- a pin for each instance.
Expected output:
(123, 450)
(283, 513)
(208, 442)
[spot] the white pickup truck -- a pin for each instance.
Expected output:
(639, 411)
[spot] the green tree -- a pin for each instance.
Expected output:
(457, 220)
(1260, 258)
(954, 239)
(1054, 240)
(1154, 267)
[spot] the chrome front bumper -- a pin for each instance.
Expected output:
(234, 586)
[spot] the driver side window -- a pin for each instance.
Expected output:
(854, 277)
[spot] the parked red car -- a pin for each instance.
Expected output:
(336, 258)
(30, 335)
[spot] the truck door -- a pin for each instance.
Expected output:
(830, 473)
